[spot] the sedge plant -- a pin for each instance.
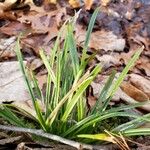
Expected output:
(65, 111)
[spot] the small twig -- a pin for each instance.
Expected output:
(56, 138)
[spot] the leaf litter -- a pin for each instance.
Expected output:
(121, 27)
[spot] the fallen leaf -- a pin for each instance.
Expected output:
(14, 28)
(134, 92)
(8, 16)
(35, 63)
(141, 83)
(108, 60)
(7, 46)
(88, 4)
(42, 79)
(35, 41)
(143, 66)
(101, 40)
(98, 85)
(12, 84)
(44, 27)
(41, 23)
(120, 94)
(75, 3)
(129, 100)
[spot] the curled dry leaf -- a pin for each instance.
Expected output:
(75, 3)
(141, 83)
(121, 95)
(101, 40)
(134, 92)
(88, 4)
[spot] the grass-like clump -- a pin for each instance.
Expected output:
(65, 110)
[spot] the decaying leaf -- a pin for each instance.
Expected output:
(14, 28)
(42, 79)
(7, 46)
(121, 95)
(12, 85)
(101, 40)
(108, 60)
(35, 63)
(134, 92)
(141, 83)
(144, 66)
(88, 4)
(44, 28)
(75, 3)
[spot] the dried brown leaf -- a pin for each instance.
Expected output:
(141, 83)
(101, 40)
(88, 4)
(12, 85)
(134, 92)
(14, 28)
(75, 3)
(7, 46)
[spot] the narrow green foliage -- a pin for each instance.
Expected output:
(22, 67)
(103, 95)
(8, 115)
(36, 86)
(135, 123)
(125, 71)
(48, 67)
(88, 34)
(137, 132)
(90, 28)
(118, 82)
(73, 49)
